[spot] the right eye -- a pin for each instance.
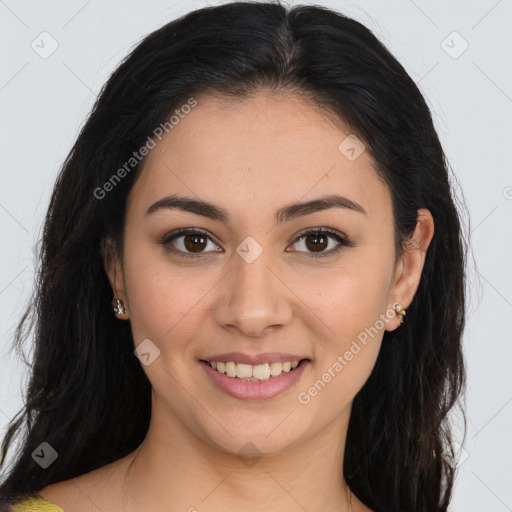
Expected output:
(187, 242)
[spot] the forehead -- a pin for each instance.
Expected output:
(265, 149)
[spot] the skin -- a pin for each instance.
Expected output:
(251, 157)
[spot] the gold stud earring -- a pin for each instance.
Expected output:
(119, 308)
(401, 312)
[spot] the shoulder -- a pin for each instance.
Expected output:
(35, 504)
(98, 489)
(69, 495)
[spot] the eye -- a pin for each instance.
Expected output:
(187, 243)
(317, 240)
(192, 243)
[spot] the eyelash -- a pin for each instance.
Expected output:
(343, 241)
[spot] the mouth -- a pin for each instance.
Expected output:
(254, 373)
(262, 381)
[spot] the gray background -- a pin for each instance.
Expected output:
(44, 102)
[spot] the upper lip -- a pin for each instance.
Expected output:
(254, 359)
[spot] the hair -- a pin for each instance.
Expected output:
(88, 396)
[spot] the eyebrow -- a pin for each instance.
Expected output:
(285, 214)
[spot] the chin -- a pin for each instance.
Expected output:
(252, 440)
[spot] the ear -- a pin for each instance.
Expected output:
(409, 268)
(114, 271)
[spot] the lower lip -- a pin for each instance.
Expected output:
(255, 390)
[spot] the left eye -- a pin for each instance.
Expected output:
(191, 243)
(317, 241)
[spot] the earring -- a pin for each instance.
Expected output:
(119, 308)
(401, 312)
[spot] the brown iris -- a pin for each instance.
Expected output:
(320, 242)
(192, 242)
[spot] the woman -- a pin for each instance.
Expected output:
(251, 290)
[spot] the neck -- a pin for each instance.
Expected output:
(186, 471)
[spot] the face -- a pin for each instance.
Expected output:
(256, 278)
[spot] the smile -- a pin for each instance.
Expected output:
(254, 382)
(253, 373)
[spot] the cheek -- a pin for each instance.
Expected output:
(163, 297)
(344, 360)
(352, 297)
(352, 303)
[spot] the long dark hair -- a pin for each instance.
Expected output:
(88, 396)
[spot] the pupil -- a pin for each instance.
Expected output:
(195, 244)
(316, 244)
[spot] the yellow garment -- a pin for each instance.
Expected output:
(35, 504)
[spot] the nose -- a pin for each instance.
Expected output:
(253, 298)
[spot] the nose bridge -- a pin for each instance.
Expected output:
(252, 297)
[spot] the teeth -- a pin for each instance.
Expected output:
(231, 369)
(243, 371)
(252, 373)
(276, 369)
(261, 371)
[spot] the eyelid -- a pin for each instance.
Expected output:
(342, 239)
(187, 231)
(177, 233)
(321, 229)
